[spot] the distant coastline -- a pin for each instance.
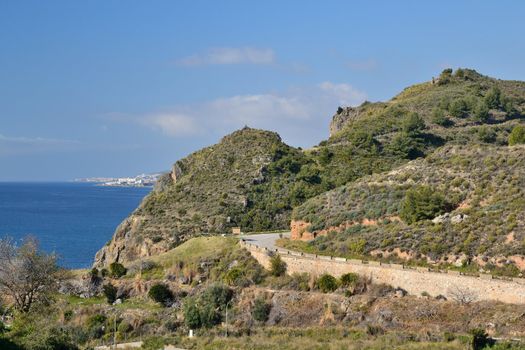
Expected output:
(142, 180)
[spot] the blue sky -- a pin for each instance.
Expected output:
(114, 88)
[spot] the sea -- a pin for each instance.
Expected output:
(73, 220)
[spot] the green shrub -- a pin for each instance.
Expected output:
(161, 294)
(277, 266)
(209, 316)
(517, 135)
(217, 295)
(406, 146)
(422, 203)
(327, 283)
(458, 108)
(493, 98)
(413, 123)
(486, 135)
(117, 270)
(192, 317)
(153, 343)
(348, 279)
(110, 292)
(481, 113)
(439, 118)
(261, 310)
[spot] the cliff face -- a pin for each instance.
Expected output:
(342, 117)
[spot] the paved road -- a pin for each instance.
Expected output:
(264, 240)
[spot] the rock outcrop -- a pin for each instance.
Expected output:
(342, 117)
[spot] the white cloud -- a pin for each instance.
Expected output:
(230, 55)
(172, 124)
(300, 115)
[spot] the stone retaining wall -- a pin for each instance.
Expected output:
(414, 280)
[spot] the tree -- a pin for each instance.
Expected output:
(406, 146)
(413, 124)
(27, 275)
(348, 279)
(481, 113)
(110, 292)
(422, 203)
(261, 310)
(327, 283)
(161, 294)
(277, 266)
(458, 108)
(439, 118)
(493, 98)
(117, 269)
(192, 316)
(217, 296)
(517, 135)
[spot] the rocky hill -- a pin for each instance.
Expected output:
(248, 179)
(253, 180)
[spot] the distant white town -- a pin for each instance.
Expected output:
(143, 180)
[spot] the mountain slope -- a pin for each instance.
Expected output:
(477, 194)
(253, 180)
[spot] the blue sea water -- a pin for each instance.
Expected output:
(72, 219)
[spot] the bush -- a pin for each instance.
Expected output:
(117, 270)
(327, 283)
(277, 266)
(192, 317)
(206, 311)
(493, 98)
(261, 310)
(161, 294)
(349, 279)
(458, 108)
(217, 295)
(406, 146)
(422, 203)
(481, 113)
(110, 292)
(153, 343)
(209, 316)
(413, 123)
(439, 118)
(486, 135)
(517, 136)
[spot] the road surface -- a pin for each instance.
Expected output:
(264, 240)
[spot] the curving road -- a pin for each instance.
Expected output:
(264, 240)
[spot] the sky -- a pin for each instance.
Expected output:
(118, 88)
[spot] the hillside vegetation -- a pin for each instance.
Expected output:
(482, 188)
(253, 180)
